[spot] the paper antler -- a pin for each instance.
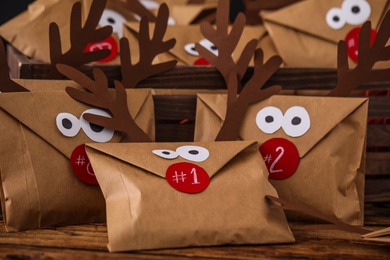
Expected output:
(100, 96)
(6, 83)
(233, 72)
(80, 37)
(310, 211)
(149, 48)
(349, 79)
(136, 7)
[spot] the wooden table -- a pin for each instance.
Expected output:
(89, 242)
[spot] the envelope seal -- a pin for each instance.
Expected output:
(108, 43)
(81, 166)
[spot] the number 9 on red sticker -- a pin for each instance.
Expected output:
(187, 177)
(281, 158)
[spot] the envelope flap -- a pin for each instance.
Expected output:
(215, 102)
(141, 155)
(185, 14)
(38, 112)
(310, 17)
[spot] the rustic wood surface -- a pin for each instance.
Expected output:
(89, 242)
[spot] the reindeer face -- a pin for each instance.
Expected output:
(186, 176)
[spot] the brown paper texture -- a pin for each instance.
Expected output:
(192, 13)
(187, 34)
(330, 175)
(303, 38)
(29, 31)
(145, 212)
(39, 188)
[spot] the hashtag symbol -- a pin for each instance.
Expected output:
(268, 158)
(179, 177)
(80, 160)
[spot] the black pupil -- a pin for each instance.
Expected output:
(355, 9)
(66, 123)
(336, 18)
(111, 20)
(96, 128)
(213, 47)
(166, 152)
(269, 119)
(296, 121)
(193, 152)
(193, 48)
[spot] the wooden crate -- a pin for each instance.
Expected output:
(175, 113)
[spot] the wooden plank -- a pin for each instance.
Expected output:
(378, 163)
(378, 135)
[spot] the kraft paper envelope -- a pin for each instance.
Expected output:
(38, 186)
(188, 35)
(303, 38)
(145, 211)
(326, 167)
(29, 31)
(193, 13)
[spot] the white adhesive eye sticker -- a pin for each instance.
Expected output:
(190, 49)
(269, 119)
(335, 18)
(356, 11)
(94, 132)
(113, 18)
(68, 124)
(166, 154)
(193, 153)
(296, 121)
(150, 4)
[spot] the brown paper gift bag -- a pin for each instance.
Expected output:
(304, 38)
(186, 37)
(330, 169)
(145, 212)
(29, 31)
(38, 186)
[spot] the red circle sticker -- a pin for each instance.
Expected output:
(81, 166)
(108, 43)
(187, 177)
(202, 62)
(352, 40)
(281, 158)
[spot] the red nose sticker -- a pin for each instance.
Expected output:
(281, 158)
(108, 43)
(81, 166)
(187, 177)
(352, 40)
(202, 62)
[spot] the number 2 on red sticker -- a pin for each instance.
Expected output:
(281, 158)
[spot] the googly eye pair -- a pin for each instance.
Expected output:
(189, 152)
(69, 126)
(190, 47)
(352, 12)
(295, 122)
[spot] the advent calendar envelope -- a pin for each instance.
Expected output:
(169, 195)
(314, 147)
(187, 35)
(38, 135)
(306, 33)
(29, 31)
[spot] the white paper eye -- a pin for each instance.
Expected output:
(68, 124)
(335, 18)
(356, 11)
(296, 121)
(113, 18)
(94, 132)
(166, 154)
(190, 48)
(193, 153)
(269, 119)
(209, 46)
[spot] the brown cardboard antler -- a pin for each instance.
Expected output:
(149, 48)
(233, 72)
(80, 37)
(349, 79)
(6, 84)
(99, 96)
